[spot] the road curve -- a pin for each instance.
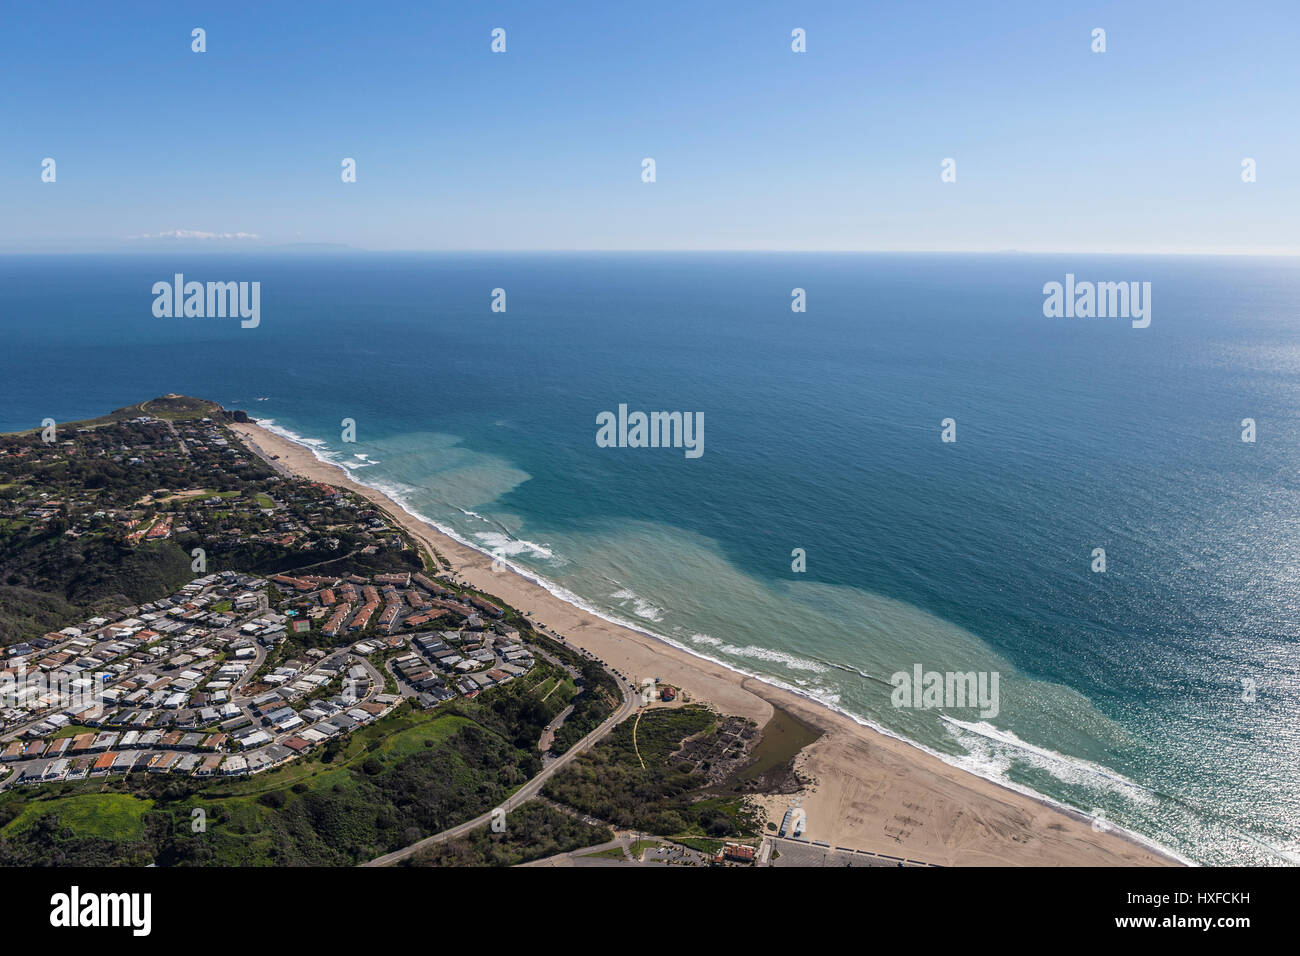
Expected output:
(529, 789)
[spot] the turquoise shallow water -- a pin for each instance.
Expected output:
(1119, 692)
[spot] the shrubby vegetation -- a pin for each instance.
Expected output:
(24, 612)
(533, 831)
(609, 782)
(599, 698)
(50, 582)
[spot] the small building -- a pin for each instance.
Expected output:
(736, 853)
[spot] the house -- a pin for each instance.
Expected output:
(339, 724)
(258, 761)
(236, 723)
(736, 853)
(31, 772)
(208, 766)
(186, 764)
(125, 761)
(254, 739)
(279, 715)
(35, 748)
(103, 763)
(289, 723)
(234, 765)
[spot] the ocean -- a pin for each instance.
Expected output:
(1159, 695)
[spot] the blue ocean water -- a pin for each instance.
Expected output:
(1121, 692)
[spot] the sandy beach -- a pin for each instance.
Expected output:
(868, 791)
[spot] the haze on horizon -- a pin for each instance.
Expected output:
(1057, 148)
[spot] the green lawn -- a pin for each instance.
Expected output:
(73, 730)
(703, 844)
(112, 816)
(414, 739)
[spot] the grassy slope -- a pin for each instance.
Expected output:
(384, 786)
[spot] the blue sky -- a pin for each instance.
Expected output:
(1057, 148)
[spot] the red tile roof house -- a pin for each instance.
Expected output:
(103, 763)
(737, 852)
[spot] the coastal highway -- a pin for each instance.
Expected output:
(529, 790)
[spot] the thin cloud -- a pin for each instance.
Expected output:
(196, 234)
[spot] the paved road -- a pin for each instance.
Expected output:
(529, 790)
(802, 853)
(548, 732)
(587, 856)
(259, 658)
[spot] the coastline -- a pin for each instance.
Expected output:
(868, 790)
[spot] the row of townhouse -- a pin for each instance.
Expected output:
(141, 761)
(106, 741)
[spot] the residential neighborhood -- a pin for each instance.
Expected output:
(200, 683)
